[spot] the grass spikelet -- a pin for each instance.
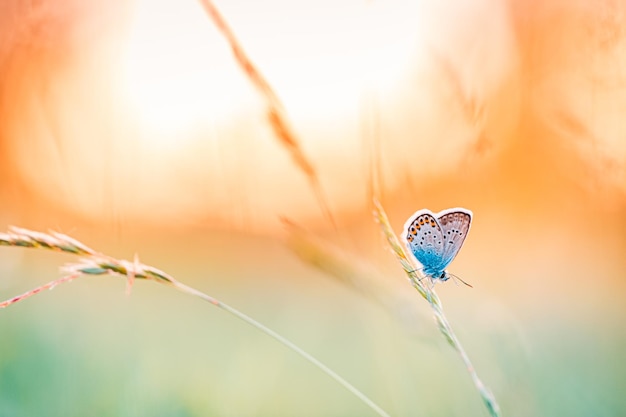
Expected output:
(351, 271)
(276, 114)
(329, 260)
(430, 295)
(95, 263)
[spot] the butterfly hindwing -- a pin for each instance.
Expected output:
(425, 239)
(455, 224)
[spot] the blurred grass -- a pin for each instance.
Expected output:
(549, 338)
(86, 349)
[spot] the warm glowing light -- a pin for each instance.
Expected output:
(185, 134)
(178, 73)
(181, 73)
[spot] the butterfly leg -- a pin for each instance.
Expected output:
(416, 270)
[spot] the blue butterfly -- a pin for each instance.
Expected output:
(435, 239)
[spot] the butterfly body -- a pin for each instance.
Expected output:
(435, 239)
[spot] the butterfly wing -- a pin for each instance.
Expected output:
(455, 224)
(424, 238)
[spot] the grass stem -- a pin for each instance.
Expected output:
(430, 295)
(276, 114)
(95, 263)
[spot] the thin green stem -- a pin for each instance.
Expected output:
(95, 263)
(289, 344)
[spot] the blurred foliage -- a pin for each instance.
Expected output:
(86, 349)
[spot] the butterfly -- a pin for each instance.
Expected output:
(435, 239)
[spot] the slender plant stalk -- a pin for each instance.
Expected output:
(95, 263)
(430, 295)
(276, 114)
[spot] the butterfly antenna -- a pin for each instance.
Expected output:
(459, 278)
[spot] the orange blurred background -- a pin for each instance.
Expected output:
(130, 126)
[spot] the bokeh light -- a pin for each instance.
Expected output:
(131, 126)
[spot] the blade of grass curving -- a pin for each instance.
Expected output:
(321, 366)
(430, 295)
(326, 258)
(95, 263)
(276, 114)
(48, 286)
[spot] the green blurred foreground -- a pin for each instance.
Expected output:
(85, 349)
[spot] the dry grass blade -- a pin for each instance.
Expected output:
(429, 295)
(95, 263)
(329, 260)
(471, 108)
(39, 289)
(276, 114)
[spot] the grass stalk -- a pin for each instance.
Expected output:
(430, 295)
(276, 114)
(95, 263)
